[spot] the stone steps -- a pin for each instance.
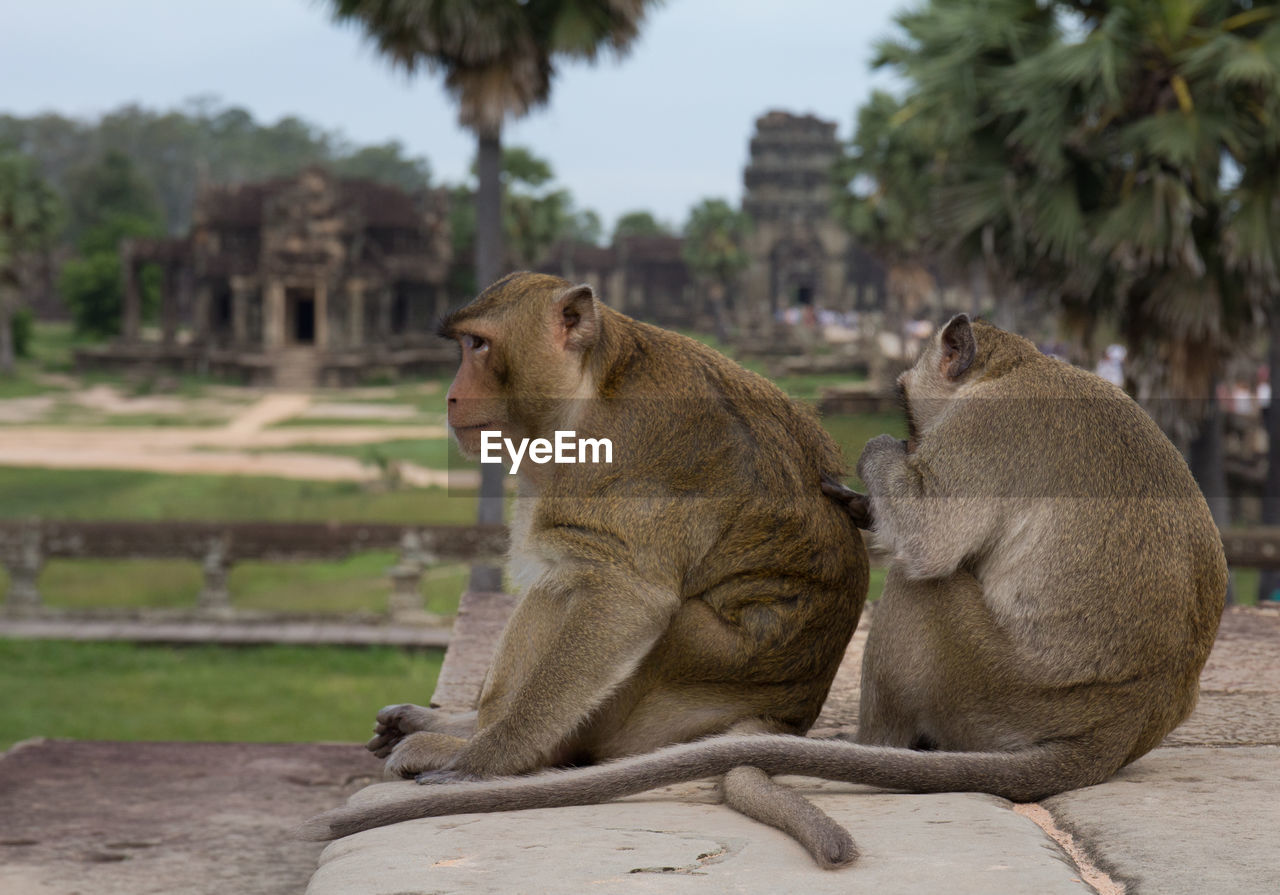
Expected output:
(297, 369)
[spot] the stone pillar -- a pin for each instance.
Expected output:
(322, 315)
(202, 316)
(406, 604)
(169, 304)
(273, 315)
(214, 595)
(384, 314)
(355, 314)
(24, 566)
(239, 313)
(131, 323)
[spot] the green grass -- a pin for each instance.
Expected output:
(852, 431)
(358, 583)
(876, 585)
(1245, 582)
(809, 386)
(118, 494)
(295, 422)
(155, 420)
(121, 691)
(20, 385)
(433, 453)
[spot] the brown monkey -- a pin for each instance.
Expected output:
(1055, 587)
(699, 584)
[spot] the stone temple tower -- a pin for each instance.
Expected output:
(799, 254)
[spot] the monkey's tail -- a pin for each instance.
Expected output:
(1025, 775)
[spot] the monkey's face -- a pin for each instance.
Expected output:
(475, 399)
(524, 342)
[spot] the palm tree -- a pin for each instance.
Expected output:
(715, 250)
(1084, 150)
(498, 58)
(29, 217)
(885, 181)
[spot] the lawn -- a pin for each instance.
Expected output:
(121, 691)
(852, 431)
(118, 494)
(358, 583)
(433, 453)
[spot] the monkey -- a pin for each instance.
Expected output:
(699, 584)
(1054, 587)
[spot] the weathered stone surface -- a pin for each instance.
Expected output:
(673, 841)
(1171, 823)
(1184, 822)
(106, 818)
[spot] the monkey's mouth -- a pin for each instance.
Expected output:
(474, 427)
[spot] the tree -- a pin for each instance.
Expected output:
(29, 217)
(715, 250)
(639, 223)
(536, 214)
(109, 188)
(178, 150)
(498, 58)
(1085, 151)
(885, 180)
(386, 163)
(112, 202)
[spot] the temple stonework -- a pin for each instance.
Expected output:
(316, 279)
(307, 280)
(799, 253)
(643, 276)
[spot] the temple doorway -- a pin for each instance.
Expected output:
(300, 316)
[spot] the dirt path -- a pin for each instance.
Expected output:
(232, 449)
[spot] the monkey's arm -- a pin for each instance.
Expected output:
(606, 619)
(929, 531)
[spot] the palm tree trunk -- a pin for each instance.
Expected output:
(719, 316)
(1269, 581)
(489, 209)
(488, 269)
(6, 330)
(1206, 462)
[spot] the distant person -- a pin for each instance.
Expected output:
(1263, 393)
(1111, 367)
(1242, 403)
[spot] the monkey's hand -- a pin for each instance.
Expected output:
(420, 752)
(395, 722)
(858, 506)
(880, 455)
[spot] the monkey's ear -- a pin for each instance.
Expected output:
(577, 319)
(959, 347)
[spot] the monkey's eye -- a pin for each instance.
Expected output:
(474, 343)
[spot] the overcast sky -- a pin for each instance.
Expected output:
(659, 130)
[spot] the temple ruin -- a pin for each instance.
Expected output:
(306, 280)
(643, 276)
(800, 254)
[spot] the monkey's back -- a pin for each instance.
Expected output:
(771, 574)
(1093, 526)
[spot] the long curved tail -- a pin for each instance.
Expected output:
(1025, 775)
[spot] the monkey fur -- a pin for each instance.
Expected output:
(1054, 589)
(700, 584)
